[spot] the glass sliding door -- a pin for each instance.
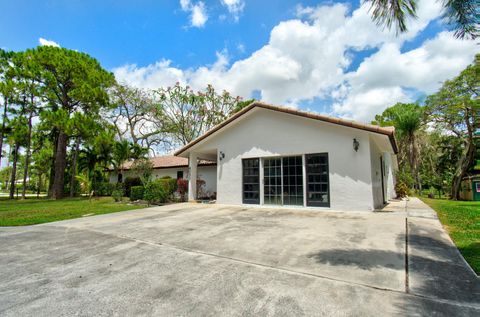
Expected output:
(318, 193)
(292, 181)
(283, 181)
(251, 181)
(272, 175)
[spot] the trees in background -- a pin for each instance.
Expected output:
(407, 120)
(65, 120)
(455, 108)
(438, 141)
(134, 118)
(187, 114)
(72, 82)
(66, 89)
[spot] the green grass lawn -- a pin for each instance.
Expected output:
(34, 211)
(462, 221)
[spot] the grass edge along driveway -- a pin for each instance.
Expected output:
(461, 219)
(35, 211)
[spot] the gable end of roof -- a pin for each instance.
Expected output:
(388, 131)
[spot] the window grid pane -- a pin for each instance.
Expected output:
(251, 181)
(292, 181)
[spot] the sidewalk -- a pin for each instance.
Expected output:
(435, 266)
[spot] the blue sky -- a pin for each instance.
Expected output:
(323, 56)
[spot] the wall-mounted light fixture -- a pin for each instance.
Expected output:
(221, 155)
(356, 145)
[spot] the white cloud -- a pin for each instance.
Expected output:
(185, 4)
(308, 57)
(234, 7)
(199, 15)
(198, 12)
(44, 42)
(391, 73)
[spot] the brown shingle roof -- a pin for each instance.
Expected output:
(388, 131)
(169, 161)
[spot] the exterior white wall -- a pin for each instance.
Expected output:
(207, 173)
(267, 133)
(390, 175)
(375, 155)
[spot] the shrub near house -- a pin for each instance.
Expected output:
(136, 193)
(160, 190)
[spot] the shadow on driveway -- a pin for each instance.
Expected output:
(435, 268)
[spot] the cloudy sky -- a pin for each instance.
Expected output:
(324, 56)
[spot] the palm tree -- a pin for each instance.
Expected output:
(137, 151)
(407, 121)
(462, 15)
(121, 154)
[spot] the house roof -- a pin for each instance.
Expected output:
(388, 131)
(169, 161)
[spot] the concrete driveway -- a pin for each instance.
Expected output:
(203, 260)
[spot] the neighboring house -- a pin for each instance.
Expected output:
(175, 167)
(268, 155)
(470, 189)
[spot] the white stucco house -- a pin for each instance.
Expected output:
(267, 155)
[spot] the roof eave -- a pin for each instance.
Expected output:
(388, 131)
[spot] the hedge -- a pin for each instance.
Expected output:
(169, 185)
(136, 193)
(106, 188)
(129, 182)
(155, 193)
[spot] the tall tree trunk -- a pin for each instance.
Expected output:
(14, 171)
(74, 167)
(51, 176)
(39, 184)
(60, 165)
(465, 162)
(27, 155)
(4, 117)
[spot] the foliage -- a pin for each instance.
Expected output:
(182, 188)
(187, 115)
(5, 176)
(106, 188)
(143, 167)
(64, 116)
(85, 184)
(134, 118)
(169, 184)
(242, 104)
(437, 142)
(455, 108)
(75, 88)
(401, 189)
(124, 150)
(461, 15)
(117, 194)
(35, 211)
(155, 193)
(461, 219)
(136, 193)
(407, 120)
(393, 12)
(129, 182)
